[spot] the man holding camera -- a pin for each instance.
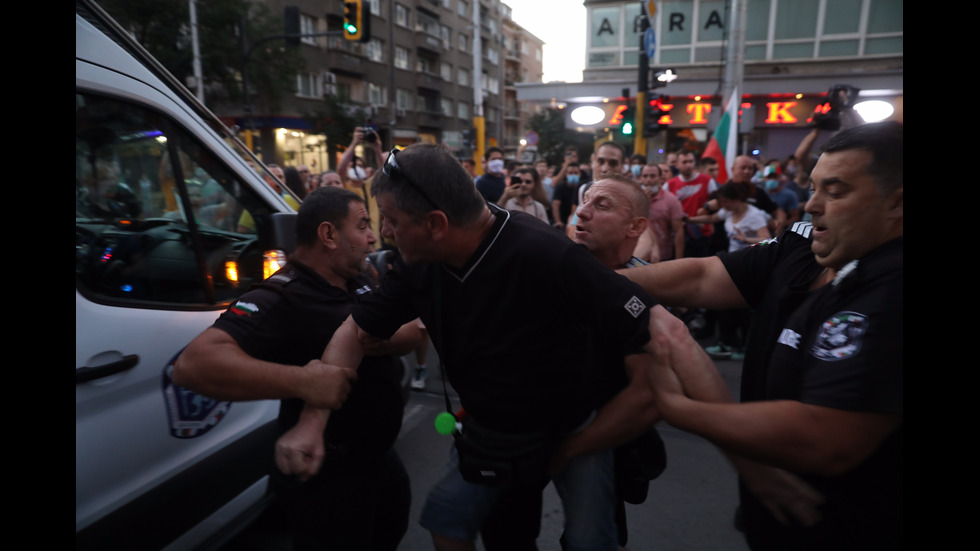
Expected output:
(357, 175)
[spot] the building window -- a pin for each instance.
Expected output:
(377, 95)
(446, 71)
(307, 25)
(462, 42)
(401, 57)
(462, 8)
(463, 110)
(447, 107)
(427, 24)
(463, 77)
(343, 90)
(401, 15)
(307, 85)
(403, 99)
(375, 50)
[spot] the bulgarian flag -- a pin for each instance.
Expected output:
(723, 143)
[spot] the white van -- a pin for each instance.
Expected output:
(173, 221)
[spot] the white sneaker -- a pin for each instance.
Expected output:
(418, 381)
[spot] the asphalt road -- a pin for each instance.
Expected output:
(690, 507)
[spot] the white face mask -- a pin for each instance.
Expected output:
(496, 166)
(356, 173)
(654, 189)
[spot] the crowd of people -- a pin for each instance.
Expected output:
(559, 300)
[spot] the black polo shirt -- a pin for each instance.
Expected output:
(839, 346)
(525, 329)
(289, 319)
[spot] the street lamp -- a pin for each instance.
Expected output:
(663, 78)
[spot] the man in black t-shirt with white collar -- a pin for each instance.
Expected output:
(500, 294)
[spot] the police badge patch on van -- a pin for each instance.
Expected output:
(840, 336)
(190, 414)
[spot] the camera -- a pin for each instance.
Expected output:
(368, 134)
(840, 99)
(515, 180)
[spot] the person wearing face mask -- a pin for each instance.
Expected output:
(637, 162)
(492, 183)
(785, 199)
(357, 175)
(665, 231)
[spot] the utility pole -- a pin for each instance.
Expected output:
(479, 123)
(196, 48)
(735, 58)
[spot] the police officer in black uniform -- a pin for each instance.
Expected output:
(822, 380)
(360, 498)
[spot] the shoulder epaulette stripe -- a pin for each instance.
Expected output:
(802, 228)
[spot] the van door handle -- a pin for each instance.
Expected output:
(86, 374)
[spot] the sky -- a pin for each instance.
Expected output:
(561, 25)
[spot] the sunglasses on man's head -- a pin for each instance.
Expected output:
(391, 169)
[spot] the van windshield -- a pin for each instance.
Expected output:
(157, 216)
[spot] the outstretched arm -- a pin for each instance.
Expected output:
(692, 282)
(214, 365)
(681, 368)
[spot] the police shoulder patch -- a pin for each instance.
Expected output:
(840, 336)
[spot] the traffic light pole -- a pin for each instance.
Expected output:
(642, 83)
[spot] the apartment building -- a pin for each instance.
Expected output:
(415, 79)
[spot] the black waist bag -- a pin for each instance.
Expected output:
(504, 460)
(637, 463)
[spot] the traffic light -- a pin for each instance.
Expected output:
(655, 118)
(357, 22)
(628, 116)
(469, 138)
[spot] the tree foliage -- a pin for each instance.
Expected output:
(336, 121)
(549, 125)
(227, 29)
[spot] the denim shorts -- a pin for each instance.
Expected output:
(457, 509)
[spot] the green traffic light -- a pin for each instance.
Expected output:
(350, 28)
(627, 128)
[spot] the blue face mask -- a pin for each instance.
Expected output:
(573, 178)
(636, 170)
(772, 184)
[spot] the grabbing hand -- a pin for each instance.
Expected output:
(328, 385)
